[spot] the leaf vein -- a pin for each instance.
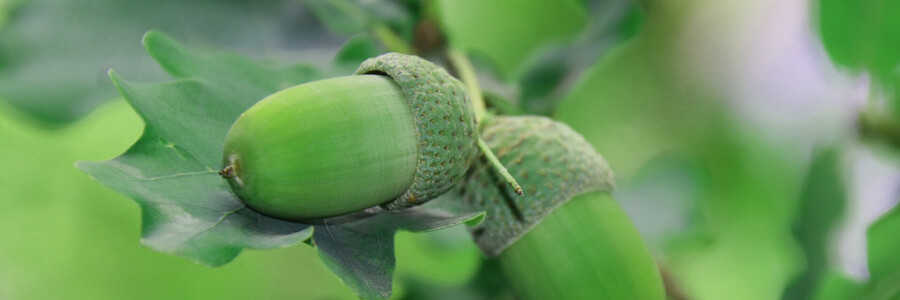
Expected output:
(216, 223)
(176, 175)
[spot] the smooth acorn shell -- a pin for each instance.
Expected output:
(323, 148)
(588, 249)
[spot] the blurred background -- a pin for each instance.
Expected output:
(755, 143)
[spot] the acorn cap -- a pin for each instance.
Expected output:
(445, 124)
(552, 162)
(567, 238)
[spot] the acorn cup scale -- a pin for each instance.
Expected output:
(399, 133)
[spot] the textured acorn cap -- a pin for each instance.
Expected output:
(552, 162)
(324, 148)
(567, 238)
(446, 129)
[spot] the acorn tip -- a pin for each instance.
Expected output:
(227, 172)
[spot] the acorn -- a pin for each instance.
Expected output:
(399, 132)
(567, 238)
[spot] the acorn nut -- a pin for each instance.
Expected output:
(397, 134)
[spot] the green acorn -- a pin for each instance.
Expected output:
(567, 238)
(397, 134)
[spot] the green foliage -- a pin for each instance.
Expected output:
(547, 79)
(355, 16)
(751, 220)
(488, 283)
(663, 196)
(623, 103)
(172, 172)
(446, 257)
(835, 286)
(862, 35)
(64, 236)
(189, 211)
(391, 21)
(342, 16)
(362, 252)
(4, 10)
(742, 239)
(865, 36)
(356, 50)
(509, 32)
(821, 207)
(638, 103)
(56, 71)
(884, 263)
(541, 81)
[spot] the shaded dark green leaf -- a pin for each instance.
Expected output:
(821, 207)
(546, 80)
(341, 16)
(354, 16)
(171, 171)
(54, 54)
(362, 252)
(501, 105)
(488, 284)
(189, 211)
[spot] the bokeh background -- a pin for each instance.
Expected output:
(754, 142)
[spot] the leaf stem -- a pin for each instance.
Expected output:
(872, 99)
(495, 163)
(467, 74)
(880, 126)
(874, 122)
(391, 40)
